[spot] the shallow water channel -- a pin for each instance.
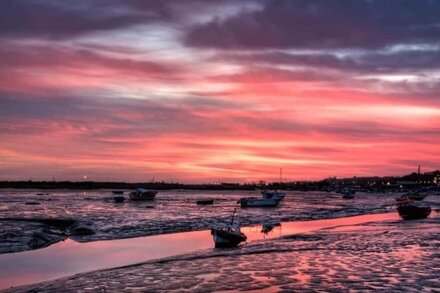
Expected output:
(70, 257)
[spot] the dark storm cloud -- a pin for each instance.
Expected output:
(64, 19)
(318, 24)
(57, 19)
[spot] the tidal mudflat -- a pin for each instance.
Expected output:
(33, 219)
(382, 253)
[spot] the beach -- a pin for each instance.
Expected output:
(324, 241)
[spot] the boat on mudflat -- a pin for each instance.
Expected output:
(348, 194)
(228, 236)
(253, 202)
(142, 194)
(273, 194)
(119, 199)
(268, 226)
(414, 195)
(205, 201)
(408, 210)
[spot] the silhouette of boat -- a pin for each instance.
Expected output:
(268, 226)
(205, 201)
(228, 236)
(119, 199)
(415, 195)
(408, 210)
(253, 202)
(142, 194)
(117, 191)
(348, 194)
(267, 194)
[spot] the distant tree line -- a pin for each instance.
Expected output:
(328, 184)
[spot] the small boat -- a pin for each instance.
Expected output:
(228, 236)
(408, 210)
(400, 199)
(348, 194)
(142, 194)
(119, 199)
(414, 195)
(117, 191)
(273, 194)
(268, 226)
(205, 201)
(253, 202)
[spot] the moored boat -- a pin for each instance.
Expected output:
(408, 210)
(117, 191)
(414, 195)
(142, 194)
(250, 202)
(205, 201)
(348, 194)
(268, 226)
(273, 194)
(119, 199)
(228, 236)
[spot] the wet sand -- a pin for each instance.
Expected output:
(390, 256)
(92, 215)
(70, 257)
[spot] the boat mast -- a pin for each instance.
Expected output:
(281, 175)
(233, 215)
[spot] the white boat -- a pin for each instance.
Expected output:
(228, 236)
(142, 194)
(273, 194)
(249, 202)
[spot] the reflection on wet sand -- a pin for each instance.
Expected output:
(389, 256)
(70, 257)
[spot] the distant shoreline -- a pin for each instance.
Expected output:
(362, 183)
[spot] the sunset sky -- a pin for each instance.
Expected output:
(225, 90)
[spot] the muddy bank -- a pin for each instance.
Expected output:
(95, 216)
(391, 256)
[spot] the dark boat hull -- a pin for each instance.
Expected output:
(259, 203)
(119, 199)
(205, 201)
(413, 212)
(150, 195)
(417, 197)
(225, 239)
